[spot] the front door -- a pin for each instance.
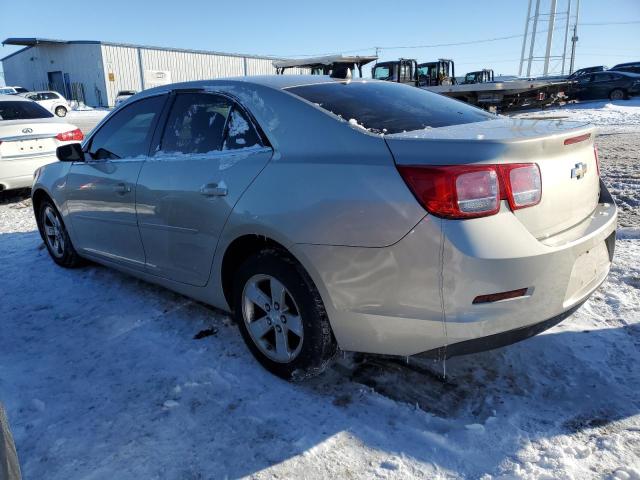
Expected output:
(102, 190)
(207, 156)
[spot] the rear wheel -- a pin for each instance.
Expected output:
(56, 237)
(617, 94)
(61, 111)
(281, 316)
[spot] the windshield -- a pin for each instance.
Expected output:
(385, 107)
(22, 110)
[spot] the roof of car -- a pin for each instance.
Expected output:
(13, 98)
(628, 64)
(277, 82)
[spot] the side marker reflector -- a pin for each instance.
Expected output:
(495, 297)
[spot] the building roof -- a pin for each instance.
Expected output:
(32, 42)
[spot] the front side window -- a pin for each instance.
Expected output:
(384, 107)
(22, 110)
(127, 134)
(382, 73)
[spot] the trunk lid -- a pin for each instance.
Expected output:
(20, 138)
(564, 151)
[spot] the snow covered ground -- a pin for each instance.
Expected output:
(610, 117)
(103, 379)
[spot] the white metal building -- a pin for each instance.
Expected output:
(94, 71)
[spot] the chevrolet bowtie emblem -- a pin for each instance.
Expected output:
(579, 170)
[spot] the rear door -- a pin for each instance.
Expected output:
(206, 156)
(101, 190)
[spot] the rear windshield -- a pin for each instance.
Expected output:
(22, 110)
(387, 107)
(126, 92)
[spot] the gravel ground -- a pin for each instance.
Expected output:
(619, 160)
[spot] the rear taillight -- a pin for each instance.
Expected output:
(522, 183)
(71, 136)
(467, 191)
(595, 154)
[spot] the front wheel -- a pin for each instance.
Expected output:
(61, 111)
(56, 237)
(617, 94)
(281, 316)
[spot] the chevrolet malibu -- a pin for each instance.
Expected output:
(329, 214)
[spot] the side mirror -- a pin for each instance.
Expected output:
(70, 153)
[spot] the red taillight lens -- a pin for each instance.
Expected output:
(477, 192)
(595, 153)
(523, 184)
(71, 136)
(473, 191)
(454, 191)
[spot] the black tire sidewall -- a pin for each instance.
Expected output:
(318, 345)
(69, 258)
(611, 94)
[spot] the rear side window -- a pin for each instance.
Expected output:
(196, 123)
(387, 107)
(127, 134)
(22, 110)
(240, 131)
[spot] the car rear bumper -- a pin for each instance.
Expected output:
(417, 295)
(18, 172)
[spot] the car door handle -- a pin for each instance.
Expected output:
(122, 188)
(214, 190)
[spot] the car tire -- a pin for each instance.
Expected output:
(281, 316)
(617, 94)
(61, 111)
(55, 236)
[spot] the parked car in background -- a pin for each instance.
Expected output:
(52, 101)
(366, 215)
(123, 96)
(8, 91)
(20, 89)
(609, 84)
(584, 71)
(631, 67)
(29, 137)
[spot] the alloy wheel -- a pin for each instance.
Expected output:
(53, 231)
(272, 318)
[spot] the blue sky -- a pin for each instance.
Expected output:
(295, 28)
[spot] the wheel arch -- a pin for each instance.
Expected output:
(37, 197)
(238, 251)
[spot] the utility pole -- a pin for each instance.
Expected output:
(524, 40)
(574, 39)
(552, 22)
(566, 35)
(533, 36)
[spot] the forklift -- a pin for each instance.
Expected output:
(481, 76)
(404, 70)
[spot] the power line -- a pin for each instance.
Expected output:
(592, 24)
(451, 44)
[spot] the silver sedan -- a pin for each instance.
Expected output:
(361, 215)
